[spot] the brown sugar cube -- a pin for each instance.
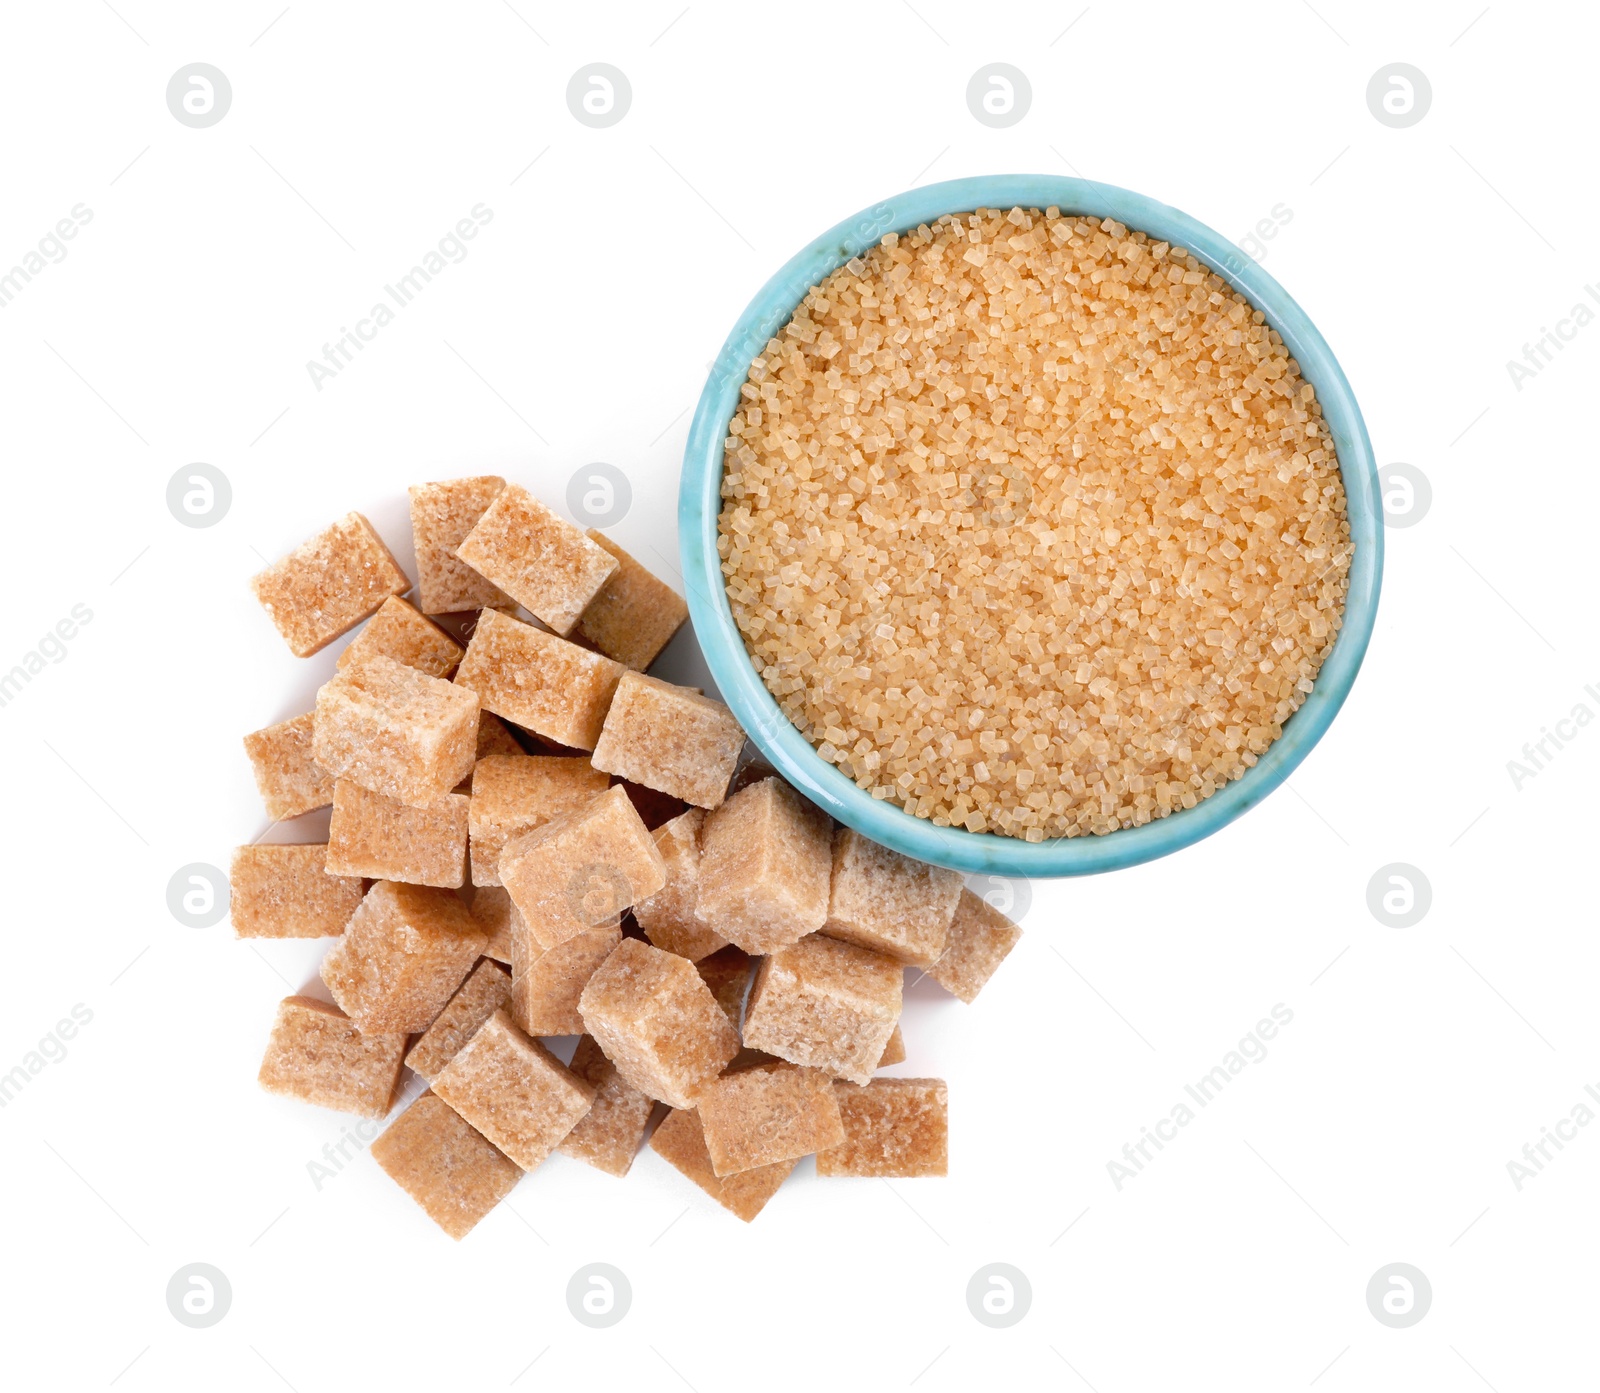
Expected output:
(888, 902)
(893, 1128)
(582, 869)
(486, 990)
(382, 839)
(498, 918)
(657, 1021)
(538, 681)
(668, 917)
(826, 1004)
(445, 1164)
(634, 615)
(610, 1134)
(397, 631)
(441, 516)
(895, 1051)
(765, 863)
(317, 1054)
(290, 780)
(512, 793)
(495, 737)
(766, 1114)
(547, 982)
(514, 1091)
(404, 952)
(329, 585)
(286, 892)
(727, 973)
(680, 1141)
(669, 738)
(979, 939)
(395, 730)
(537, 557)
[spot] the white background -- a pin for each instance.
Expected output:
(1419, 1061)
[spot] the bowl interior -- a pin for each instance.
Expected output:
(699, 504)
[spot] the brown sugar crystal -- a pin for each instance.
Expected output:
(383, 839)
(893, 1128)
(537, 557)
(397, 631)
(727, 973)
(286, 892)
(498, 918)
(395, 730)
(633, 615)
(316, 1053)
(895, 1051)
(327, 586)
(765, 864)
(680, 1141)
(455, 1173)
(512, 793)
(442, 515)
(582, 869)
(669, 738)
(514, 1091)
(609, 1135)
(547, 982)
(658, 1022)
(404, 952)
(668, 917)
(980, 937)
(888, 902)
(289, 779)
(486, 990)
(766, 1114)
(826, 1004)
(538, 681)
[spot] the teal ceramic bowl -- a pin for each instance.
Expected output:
(699, 503)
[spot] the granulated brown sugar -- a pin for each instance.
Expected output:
(1032, 526)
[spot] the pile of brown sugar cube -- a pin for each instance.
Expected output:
(716, 943)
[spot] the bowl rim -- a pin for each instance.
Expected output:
(792, 755)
